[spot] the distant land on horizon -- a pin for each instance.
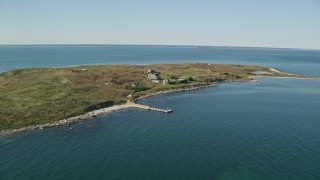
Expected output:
(163, 45)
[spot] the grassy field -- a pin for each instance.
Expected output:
(38, 96)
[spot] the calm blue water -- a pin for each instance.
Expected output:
(289, 60)
(234, 131)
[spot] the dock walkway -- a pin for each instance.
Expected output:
(149, 108)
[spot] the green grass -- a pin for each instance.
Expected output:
(38, 96)
(164, 76)
(190, 74)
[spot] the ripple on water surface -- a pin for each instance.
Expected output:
(233, 131)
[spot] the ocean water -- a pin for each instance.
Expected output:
(289, 60)
(239, 130)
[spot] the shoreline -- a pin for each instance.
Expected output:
(176, 90)
(93, 114)
(68, 121)
(289, 76)
(284, 77)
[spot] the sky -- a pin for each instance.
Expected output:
(253, 23)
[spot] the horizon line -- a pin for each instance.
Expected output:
(173, 45)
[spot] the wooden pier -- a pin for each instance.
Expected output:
(149, 108)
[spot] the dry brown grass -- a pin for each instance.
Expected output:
(37, 96)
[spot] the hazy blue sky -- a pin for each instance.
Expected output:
(268, 23)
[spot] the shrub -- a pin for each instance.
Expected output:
(190, 79)
(140, 88)
(183, 81)
(174, 77)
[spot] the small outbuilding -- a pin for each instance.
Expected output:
(165, 81)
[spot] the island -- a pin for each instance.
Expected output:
(49, 97)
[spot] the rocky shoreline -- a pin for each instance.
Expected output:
(176, 90)
(93, 114)
(66, 122)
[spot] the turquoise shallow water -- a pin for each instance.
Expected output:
(233, 131)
